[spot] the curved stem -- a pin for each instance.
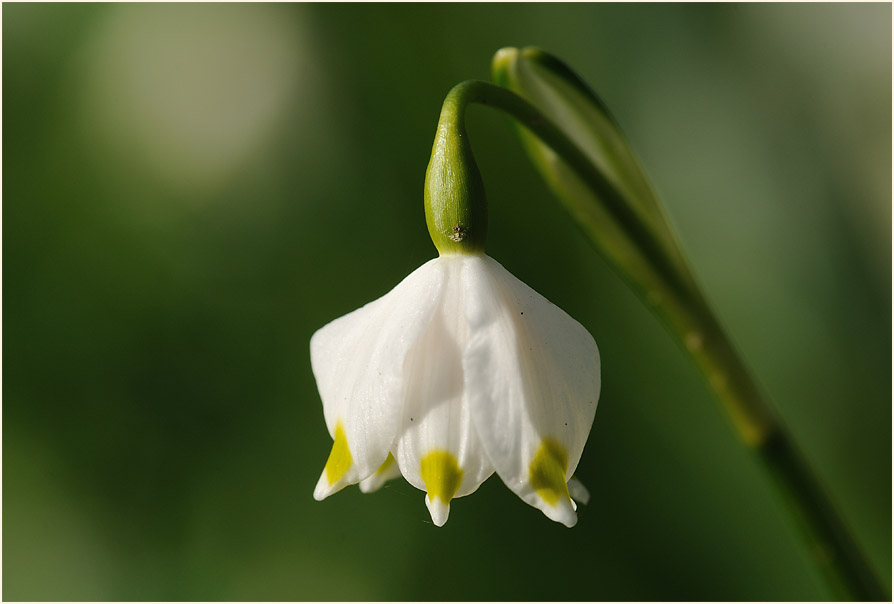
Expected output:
(685, 312)
(484, 93)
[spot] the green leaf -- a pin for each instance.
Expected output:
(548, 84)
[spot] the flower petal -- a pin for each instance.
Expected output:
(532, 381)
(578, 491)
(375, 481)
(358, 362)
(438, 450)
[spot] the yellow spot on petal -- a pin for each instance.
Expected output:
(441, 474)
(340, 459)
(386, 464)
(547, 471)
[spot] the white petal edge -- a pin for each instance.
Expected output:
(532, 375)
(358, 363)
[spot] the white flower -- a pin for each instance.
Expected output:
(459, 371)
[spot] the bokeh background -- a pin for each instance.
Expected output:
(189, 191)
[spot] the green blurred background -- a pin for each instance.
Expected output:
(189, 191)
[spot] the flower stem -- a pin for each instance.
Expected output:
(672, 293)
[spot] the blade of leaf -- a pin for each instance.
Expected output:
(549, 85)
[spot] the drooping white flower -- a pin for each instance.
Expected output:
(459, 371)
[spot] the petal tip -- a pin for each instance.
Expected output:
(371, 484)
(578, 491)
(438, 509)
(377, 479)
(561, 512)
(323, 489)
